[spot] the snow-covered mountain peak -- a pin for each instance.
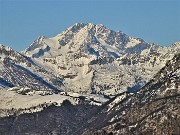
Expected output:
(36, 43)
(76, 27)
(89, 55)
(88, 38)
(40, 38)
(88, 25)
(85, 27)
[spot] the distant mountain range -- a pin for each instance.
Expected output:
(113, 84)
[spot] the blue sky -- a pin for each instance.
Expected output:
(22, 21)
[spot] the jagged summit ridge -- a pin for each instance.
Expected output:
(90, 38)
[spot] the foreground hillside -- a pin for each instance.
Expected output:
(62, 120)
